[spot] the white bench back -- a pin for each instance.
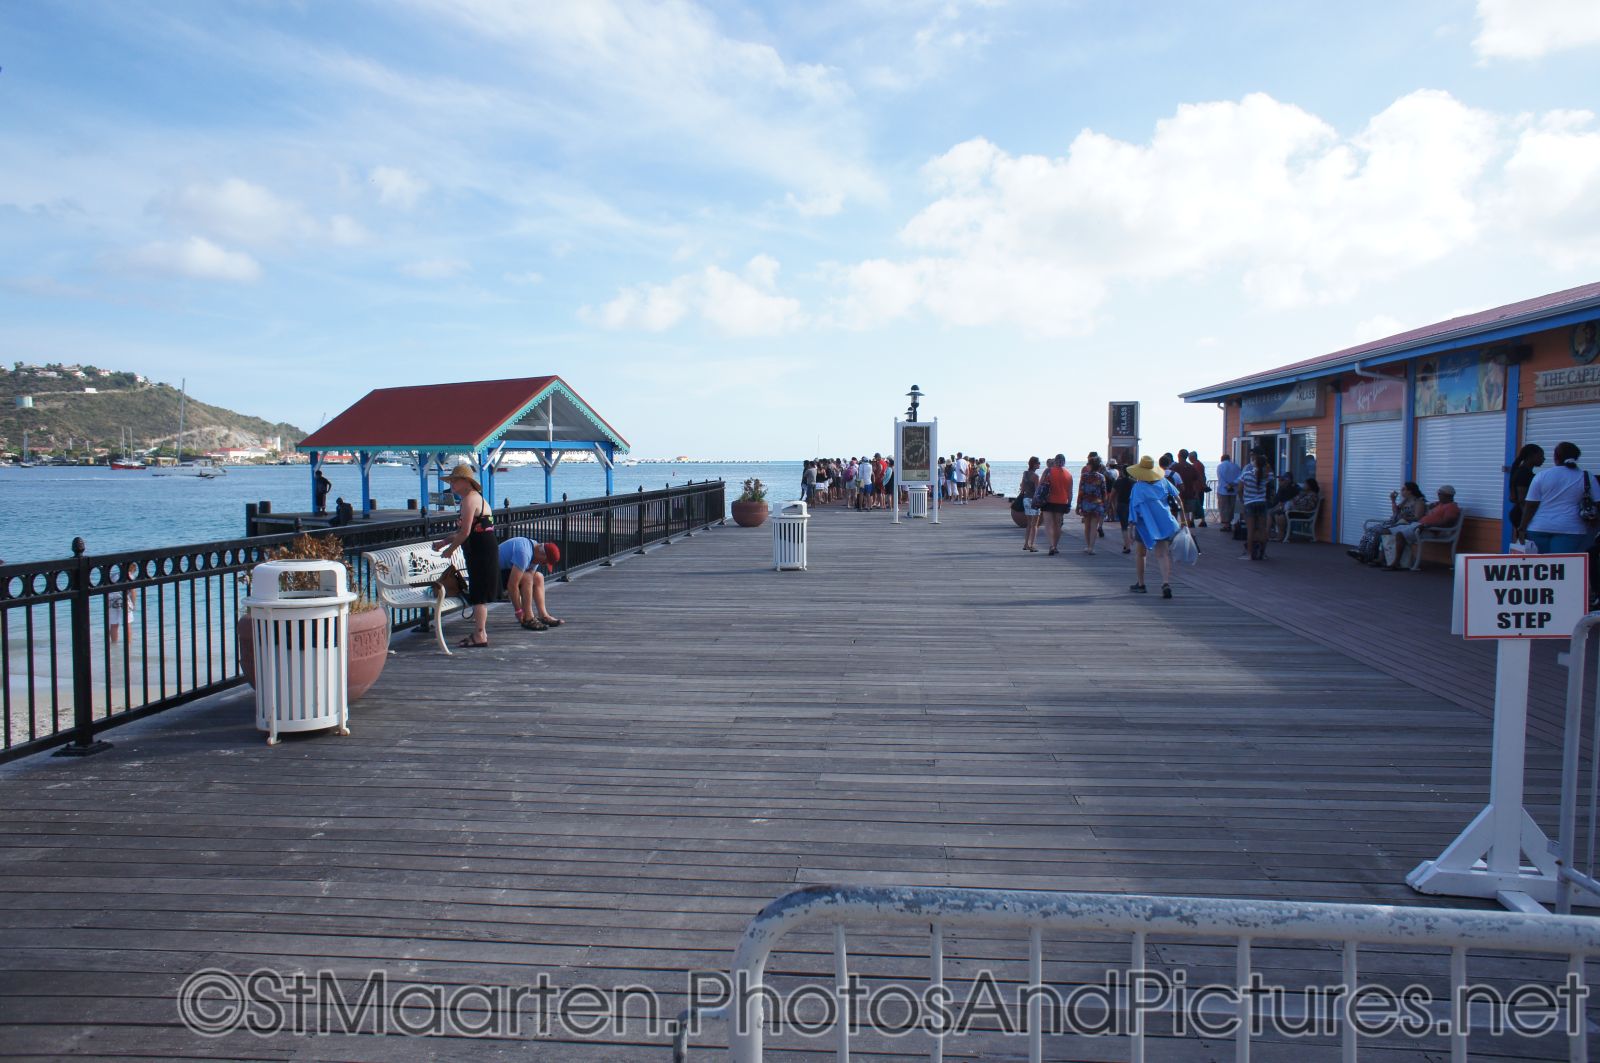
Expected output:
(410, 566)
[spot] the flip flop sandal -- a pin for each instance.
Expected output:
(533, 625)
(468, 644)
(550, 621)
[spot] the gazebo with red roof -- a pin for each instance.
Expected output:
(480, 418)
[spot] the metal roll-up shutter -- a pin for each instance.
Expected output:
(1549, 425)
(1369, 469)
(1467, 451)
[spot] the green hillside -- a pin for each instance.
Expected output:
(64, 410)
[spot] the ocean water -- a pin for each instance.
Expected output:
(43, 509)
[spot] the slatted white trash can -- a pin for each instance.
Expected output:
(302, 646)
(789, 536)
(919, 501)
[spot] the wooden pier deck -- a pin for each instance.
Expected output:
(610, 802)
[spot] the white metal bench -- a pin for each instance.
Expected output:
(404, 576)
(1448, 536)
(1302, 522)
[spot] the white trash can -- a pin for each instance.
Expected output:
(302, 646)
(789, 536)
(919, 501)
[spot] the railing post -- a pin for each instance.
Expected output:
(606, 532)
(83, 740)
(640, 523)
(566, 558)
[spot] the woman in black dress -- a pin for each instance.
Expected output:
(1529, 458)
(475, 537)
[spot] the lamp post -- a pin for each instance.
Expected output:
(915, 395)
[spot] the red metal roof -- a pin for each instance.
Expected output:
(1400, 341)
(460, 416)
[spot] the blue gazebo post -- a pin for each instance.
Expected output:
(486, 475)
(549, 486)
(422, 480)
(611, 458)
(365, 457)
(316, 467)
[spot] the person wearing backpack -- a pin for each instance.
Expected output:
(1561, 506)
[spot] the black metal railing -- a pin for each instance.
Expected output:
(93, 641)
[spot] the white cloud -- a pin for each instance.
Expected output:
(195, 257)
(1376, 327)
(735, 304)
(1256, 185)
(666, 78)
(243, 212)
(1552, 187)
(397, 188)
(1528, 29)
(528, 277)
(435, 269)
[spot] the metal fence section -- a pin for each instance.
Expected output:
(90, 642)
(1563, 942)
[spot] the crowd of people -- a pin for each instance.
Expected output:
(1156, 503)
(864, 483)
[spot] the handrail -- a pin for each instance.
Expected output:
(1247, 921)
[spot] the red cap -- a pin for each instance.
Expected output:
(552, 555)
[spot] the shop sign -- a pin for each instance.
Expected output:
(1580, 383)
(1280, 404)
(1460, 383)
(1373, 400)
(1124, 424)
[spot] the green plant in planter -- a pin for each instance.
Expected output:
(754, 491)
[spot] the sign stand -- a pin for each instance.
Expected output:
(916, 462)
(1513, 598)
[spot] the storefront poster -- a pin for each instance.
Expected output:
(1280, 404)
(1373, 400)
(1460, 383)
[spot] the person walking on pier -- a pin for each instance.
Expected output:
(1092, 500)
(475, 537)
(1056, 498)
(1153, 503)
(1025, 496)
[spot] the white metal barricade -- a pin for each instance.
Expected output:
(789, 536)
(1572, 939)
(302, 646)
(1570, 869)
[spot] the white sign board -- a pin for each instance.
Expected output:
(1522, 596)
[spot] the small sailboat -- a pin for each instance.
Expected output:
(204, 468)
(24, 463)
(127, 463)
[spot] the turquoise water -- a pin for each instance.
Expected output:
(42, 509)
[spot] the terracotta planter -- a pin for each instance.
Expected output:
(1018, 518)
(750, 514)
(369, 650)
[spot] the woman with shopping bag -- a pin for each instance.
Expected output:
(1155, 508)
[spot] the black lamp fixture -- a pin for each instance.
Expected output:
(915, 395)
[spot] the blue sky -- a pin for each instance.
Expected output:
(742, 229)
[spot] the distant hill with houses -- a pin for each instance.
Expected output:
(86, 408)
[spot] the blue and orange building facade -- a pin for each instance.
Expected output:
(1451, 403)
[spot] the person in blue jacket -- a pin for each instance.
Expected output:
(1151, 506)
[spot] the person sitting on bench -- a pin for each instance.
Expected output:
(1441, 514)
(520, 559)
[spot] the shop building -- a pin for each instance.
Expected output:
(1447, 403)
